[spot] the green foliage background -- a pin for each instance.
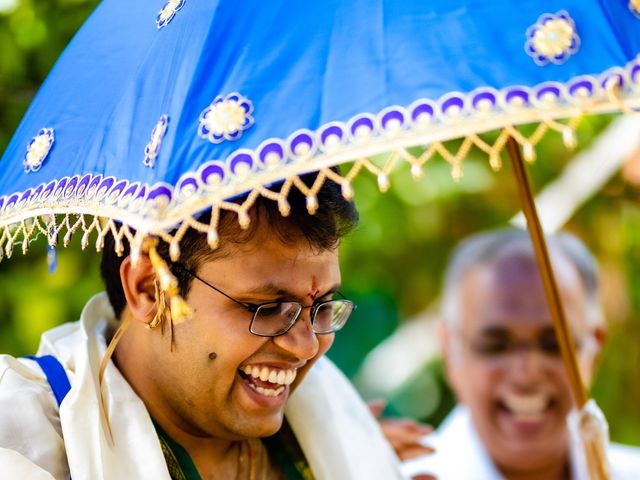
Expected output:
(392, 264)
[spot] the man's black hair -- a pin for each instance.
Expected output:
(334, 218)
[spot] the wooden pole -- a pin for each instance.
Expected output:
(596, 462)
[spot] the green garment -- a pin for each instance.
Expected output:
(282, 447)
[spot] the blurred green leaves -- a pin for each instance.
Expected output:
(33, 300)
(32, 35)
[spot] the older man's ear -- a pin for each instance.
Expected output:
(600, 335)
(449, 351)
(591, 353)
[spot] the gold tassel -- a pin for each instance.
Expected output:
(124, 324)
(180, 311)
(161, 310)
(161, 306)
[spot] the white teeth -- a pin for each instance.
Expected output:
(275, 376)
(269, 392)
(526, 404)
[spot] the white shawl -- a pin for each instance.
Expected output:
(338, 435)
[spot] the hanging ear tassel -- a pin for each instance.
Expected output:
(124, 324)
(180, 311)
(172, 343)
(161, 306)
(161, 309)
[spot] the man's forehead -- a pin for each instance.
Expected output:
(504, 290)
(275, 268)
(519, 270)
(509, 294)
(272, 249)
(514, 270)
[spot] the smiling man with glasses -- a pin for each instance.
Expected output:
(205, 398)
(503, 361)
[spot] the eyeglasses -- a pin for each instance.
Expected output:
(272, 319)
(496, 347)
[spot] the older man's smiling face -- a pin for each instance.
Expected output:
(508, 369)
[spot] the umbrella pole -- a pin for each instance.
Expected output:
(594, 446)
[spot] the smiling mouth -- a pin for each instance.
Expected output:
(269, 382)
(527, 408)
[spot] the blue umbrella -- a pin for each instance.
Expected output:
(158, 111)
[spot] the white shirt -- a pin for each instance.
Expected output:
(38, 441)
(460, 454)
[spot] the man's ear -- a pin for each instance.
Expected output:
(139, 288)
(446, 348)
(450, 350)
(592, 352)
(599, 335)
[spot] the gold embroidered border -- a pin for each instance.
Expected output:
(97, 214)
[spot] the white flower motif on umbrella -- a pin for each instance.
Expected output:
(166, 14)
(38, 150)
(152, 150)
(226, 118)
(552, 39)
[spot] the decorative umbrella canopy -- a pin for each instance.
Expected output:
(159, 111)
(156, 112)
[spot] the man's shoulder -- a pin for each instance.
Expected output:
(26, 397)
(456, 427)
(12, 368)
(30, 432)
(454, 439)
(59, 342)
(624, 451)
(23, 386)
(624, 461)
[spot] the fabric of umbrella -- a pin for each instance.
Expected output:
(161, 110)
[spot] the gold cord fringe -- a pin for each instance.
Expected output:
(23, 231)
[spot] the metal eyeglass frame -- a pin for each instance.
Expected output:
(254, 308)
